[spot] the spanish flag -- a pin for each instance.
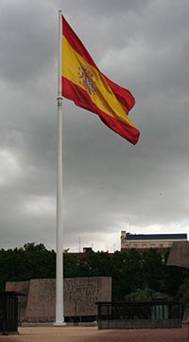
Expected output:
(89, 88)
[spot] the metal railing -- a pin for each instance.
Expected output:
(139, 314)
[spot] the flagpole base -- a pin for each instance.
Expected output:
(59, 324)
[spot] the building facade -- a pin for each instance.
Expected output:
(147, 241)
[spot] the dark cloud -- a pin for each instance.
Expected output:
(27, 44)
(109, 185)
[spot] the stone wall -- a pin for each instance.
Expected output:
(41, 301)
(80, 296)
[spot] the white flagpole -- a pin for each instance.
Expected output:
(59, 208)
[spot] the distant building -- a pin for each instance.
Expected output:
(147, 241)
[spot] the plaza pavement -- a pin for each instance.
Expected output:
(92, 334)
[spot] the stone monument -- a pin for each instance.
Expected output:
(80, 296)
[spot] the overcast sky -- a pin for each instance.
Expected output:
(109, 184)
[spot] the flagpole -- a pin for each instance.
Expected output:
(59, 202)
